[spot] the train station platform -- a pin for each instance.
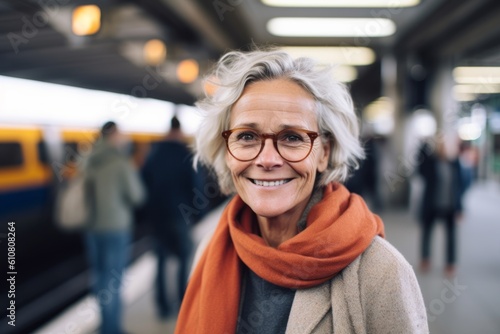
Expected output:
(467, 303)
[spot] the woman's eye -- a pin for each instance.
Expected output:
(291, 137)
(247, 136)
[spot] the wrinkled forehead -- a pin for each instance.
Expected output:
(274, 101)
(274, 109)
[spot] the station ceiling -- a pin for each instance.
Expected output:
(36, 42)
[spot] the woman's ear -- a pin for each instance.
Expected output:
(324, 156)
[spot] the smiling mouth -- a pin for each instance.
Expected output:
(270, 183)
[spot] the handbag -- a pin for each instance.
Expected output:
(72, 207)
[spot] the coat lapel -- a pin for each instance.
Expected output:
(309, 307)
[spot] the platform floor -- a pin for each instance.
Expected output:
(468, 303)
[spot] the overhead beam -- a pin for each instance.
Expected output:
(438, 25)
(205, 24)
(483, 29)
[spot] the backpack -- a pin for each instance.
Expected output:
(72, 208)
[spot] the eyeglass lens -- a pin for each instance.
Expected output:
(292, 144)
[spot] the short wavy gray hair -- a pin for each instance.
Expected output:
(334, 109)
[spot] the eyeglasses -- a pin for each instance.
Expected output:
(293, 145)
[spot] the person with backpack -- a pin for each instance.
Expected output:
(113, 190)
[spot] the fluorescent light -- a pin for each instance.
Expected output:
(330, 27)
(477, 75)
(477, 89)
(345, 73)
(341, 3)
(342, 55)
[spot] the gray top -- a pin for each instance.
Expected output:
(264, 306)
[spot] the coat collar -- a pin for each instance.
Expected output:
(309, 308)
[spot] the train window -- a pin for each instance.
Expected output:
(43, 154)
(11, 154)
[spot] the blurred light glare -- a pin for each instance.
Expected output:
(86, 20)
(210, 86)
(464, 97)
(187, 71)
(384, 125)
(479, 115)
(424, 122)
(494, 123)
(341, 3)
(330, 27)
(380, 113)
(477, 75)
(468, 130)
(65, 106)
(342, 55)
(155, 52)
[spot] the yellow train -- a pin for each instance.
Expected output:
(31, 164)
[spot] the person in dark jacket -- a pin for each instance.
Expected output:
(170, 180)
(442, 198)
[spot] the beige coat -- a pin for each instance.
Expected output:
(376, 294)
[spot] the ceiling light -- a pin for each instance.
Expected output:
(477, 75)
(341, 3)
(86, 20)
(476, 89)
(330, 27)
(345, 73)
(187, 71)
(155, 52)
(343, 55)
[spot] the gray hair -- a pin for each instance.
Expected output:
(334, 109)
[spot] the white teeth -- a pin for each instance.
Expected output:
(270, 183)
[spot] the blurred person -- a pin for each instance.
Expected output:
(468, 159)
(114, 189)
(170, 179)
(441, 199)
(364, 180)
(294, 251)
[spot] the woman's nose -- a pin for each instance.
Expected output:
(269, 156)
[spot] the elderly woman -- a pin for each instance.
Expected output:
(294, 251)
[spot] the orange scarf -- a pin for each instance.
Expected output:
(339, 228)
